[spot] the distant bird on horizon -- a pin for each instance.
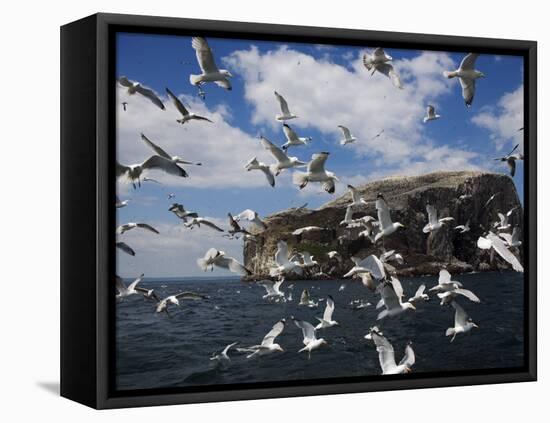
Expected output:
(430, 114)
(348, 138)
(286, 114)
(377, 135)
(316, 173)
(467, 75)
(134, 87)
(209, 69)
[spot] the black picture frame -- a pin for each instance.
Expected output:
(88, 193)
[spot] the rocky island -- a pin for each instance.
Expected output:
(461, 195)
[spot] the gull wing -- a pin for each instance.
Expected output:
(224, 83)
(430, 110)
(188, 295)
(386, 354)
(121, 169)
(269, 175)
(279, 155)
(177, 102)
(355, 196)
(151, 95)
(204, 55)
(420, 290)
(374, 266)
(157, 162)
(329, 309)
(345, 131)
(444, 277)
(155, 147)
(290, 134)
(397, 287)
(504, 252)
(210, 225)
(468, 90)
(281, 256)
(125, 82)
(273, 333)
(391, 300)
(232, 264)
(120, 284)
(506, 237)
(515, 236)
(126, 248)
(389, 71)
(468, 294)
(432, 214)
(512, 165)
(146, 291)
(282, 103)
(461, 318)
(383, 213)
(409, 358)
(147, 227)
(226, 349)
(349, 214)
(469, 61)
(329, 186)
(133, 285)
(308, 331)
(304, 298)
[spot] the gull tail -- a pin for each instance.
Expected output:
(195, 79)
(300, 179)
(449, 75)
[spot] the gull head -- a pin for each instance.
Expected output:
(480, 74)
(226, 73)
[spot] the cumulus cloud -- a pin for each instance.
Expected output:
(503, 120)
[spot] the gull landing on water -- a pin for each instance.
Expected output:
(136, 87)
(209, 70)
(430, 114)
(467, 75)
(348, 138)
(186, 116)
(316, 173)
(286, 114)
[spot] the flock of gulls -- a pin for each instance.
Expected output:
(375, 272)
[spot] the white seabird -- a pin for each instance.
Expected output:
(305, 300)
(430, 114)
(181, 213)
(251, 216)
(387, 227)
(273, 289)
(513, 239)
(186, 116)
(268, 346)
(510, 160)
(133, 172)
(310, 339)
(292, 138)
(334, 255)
(316, 173)
(463, 228)
(198, 221)
(214, 257)
(286, 115)
(386, 355)
(378, 61)
(392, 298)
(223, 358)
(467, 75)
(493, 241)
(282, 263)
(136, 87)
(448, 289)
(305, 229)
(235, 227)
(348, 138)
(434, 224)
(356, 199)
(370, 264)
(463, 323)
(503, 224)
(419, 295)
(163, 304)
(209, 70)
(326, 321)
(159, 151)
(391, 255)
(283, 160)
(132, 225)
(126, 248)
(119, 204)
(254, 164)
(126, 291)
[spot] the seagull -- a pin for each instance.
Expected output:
(310, 339)
(419, 295)
(283, 160)
(308, 259)
(392, 294)
(359, 304)
(198, 221)
(160, 152)
(326, 321)
(209, 70)
(510, 159)
(163, 304)
(467, 75)
(273, 289)
(180, 212)
(131, 225)
(386, 355)
(334, 255)
(301, 231)
(126, 291)
(448, 289)
(356, 199)
(463, 323)
(503, 224)
(124, 104)
(268, 345)
(286, 115)
(493, 241)
(371, 330)
(377, 135)
(214, 257)
(490, 200)
(430, 114)
(282, 263)
(387, 227)
(348, 138)
(316, 173)
(133, 172)
(293, 139)
(235, 227)
(370, 264)
(378, 61)
(185, 115)
(513, 239)
(463, 228)
(223, 358)
(119, 204)
(126, 248)
(305, 300)
(254, 164)
(136, 87)
(252, 217)
(434, 224)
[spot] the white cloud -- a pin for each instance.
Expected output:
(504, 119)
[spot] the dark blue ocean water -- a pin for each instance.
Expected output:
(155, 351)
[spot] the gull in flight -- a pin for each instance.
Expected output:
(310, 339)
(463, 228)
(387, 227)
(160, 152)
(286, 115)
(292, 138)
(306, 229)
(386, 355)
(308, 259)
(503, 224)
(419, 295)
(463, 323)
(356, 199)
(133, 172)
(434, 224)
(430, 114)
(235, 227)
(378, 61)
(126, 248)
(252, 217)
(513, 239)
(392, 299)
(186, 116)
(467, 75)
(136, 87)
(198, 221)
(163, 304)
(334, 255)
(316, 173)
(510, 160)
(326, 321)
(126, 291)
(132, 225)
(283, 160)
(448, 289)
(348, 138)
(370, 264)
(493, 241)
(491, 198)
(273, 289)
(305, 300)
(209, 70)
(214, 257)
(282, 263)
(268, 345)
(180, 212)
(254, 164)
(223, 358)
(391, 255)
(119, 204)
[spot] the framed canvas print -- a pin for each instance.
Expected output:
(255, 211)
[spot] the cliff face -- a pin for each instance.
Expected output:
(461, 195)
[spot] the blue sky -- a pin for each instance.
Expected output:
(325, 86)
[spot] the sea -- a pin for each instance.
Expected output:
(160, 351)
